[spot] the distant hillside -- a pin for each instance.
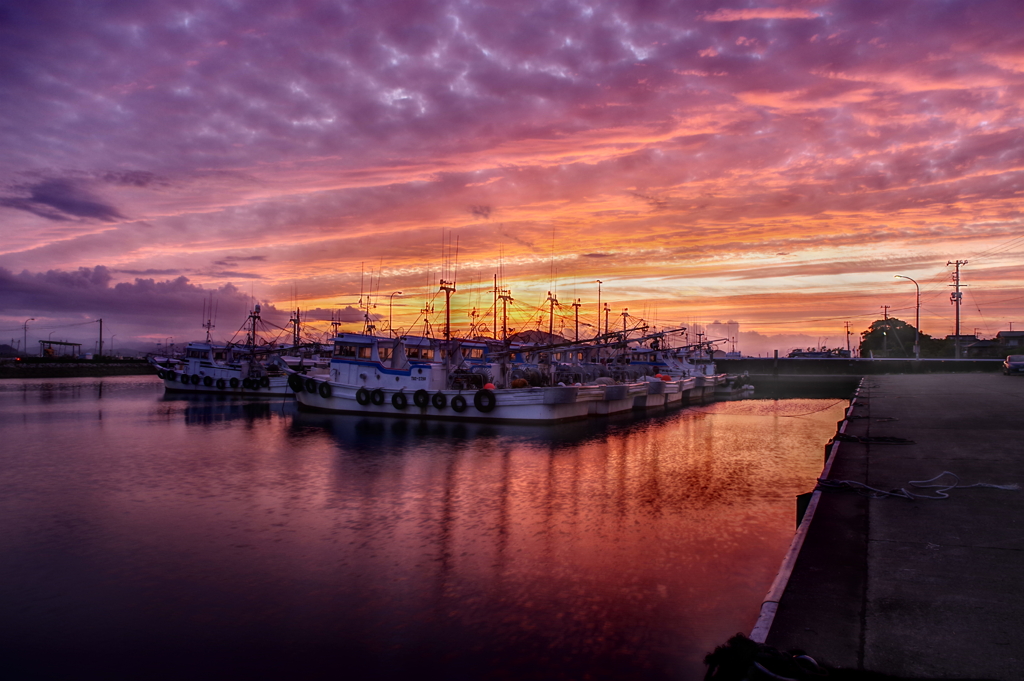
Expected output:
(7, 351)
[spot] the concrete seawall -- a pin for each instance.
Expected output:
(922, 587)
(10, 369)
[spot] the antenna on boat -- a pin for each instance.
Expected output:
(208, 315)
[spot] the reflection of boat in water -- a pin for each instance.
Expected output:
(224, 368)
(491, 380)
(377, 434)
(207, 409)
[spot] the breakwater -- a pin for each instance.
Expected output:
(785, 377)
(46, 368)
(911, 579)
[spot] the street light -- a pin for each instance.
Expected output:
(391, 300)
(599, 282)
(917, 317)
(25, 340)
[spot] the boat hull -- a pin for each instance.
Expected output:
(224, 382)
(559, 403)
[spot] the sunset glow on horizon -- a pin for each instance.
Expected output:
(771, 164)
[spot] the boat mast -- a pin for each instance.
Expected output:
(552, 300)
(449, 288)
(254, 318)
(295, 329)
(506, 298)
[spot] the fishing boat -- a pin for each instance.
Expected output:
(209, 367)
(532, 378)
(419, 376)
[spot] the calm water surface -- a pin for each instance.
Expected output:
(153, 537)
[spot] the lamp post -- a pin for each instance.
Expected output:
(917, 317)
(599, 282)
(391, 300)
(25, 339)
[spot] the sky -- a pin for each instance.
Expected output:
(769, 164)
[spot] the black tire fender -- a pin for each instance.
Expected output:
(295, 383)
(484, 400)
(184, 379)
(234, 383)
(324, 389)
(221, 384)
(459, 403)
(421, 398)
(399, 401)
(363, 396)
(439, 400)
(208, 381)
(310, 386)
(377, 396)
(194, 379)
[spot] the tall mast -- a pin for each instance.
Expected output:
(576, 304)
(295, 328)
(254, 318)
(506, 297)
(552, 301)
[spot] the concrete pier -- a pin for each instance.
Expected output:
(918, 588)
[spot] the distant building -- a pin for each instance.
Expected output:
(1010, 339)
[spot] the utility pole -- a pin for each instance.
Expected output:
(956, 298)
(25, 326)
(607, 310)
(885, 334)
(847, 336)
(599, 307)
(100, 353)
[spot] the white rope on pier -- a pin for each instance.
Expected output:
(941, 489)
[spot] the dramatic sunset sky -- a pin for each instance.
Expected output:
(774, 164)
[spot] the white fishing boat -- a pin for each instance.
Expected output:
(209, 367)
(539, 377)
(418, 376)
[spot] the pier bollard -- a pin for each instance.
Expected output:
(802, 502)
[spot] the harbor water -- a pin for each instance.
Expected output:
(147, 536)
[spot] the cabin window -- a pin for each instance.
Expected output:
(579, 356)
(220, 356)
(384, 353)
(197, 354)
(365, 352)
(476, 353)
(412, 353)
(427, 353)
(342, 350)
